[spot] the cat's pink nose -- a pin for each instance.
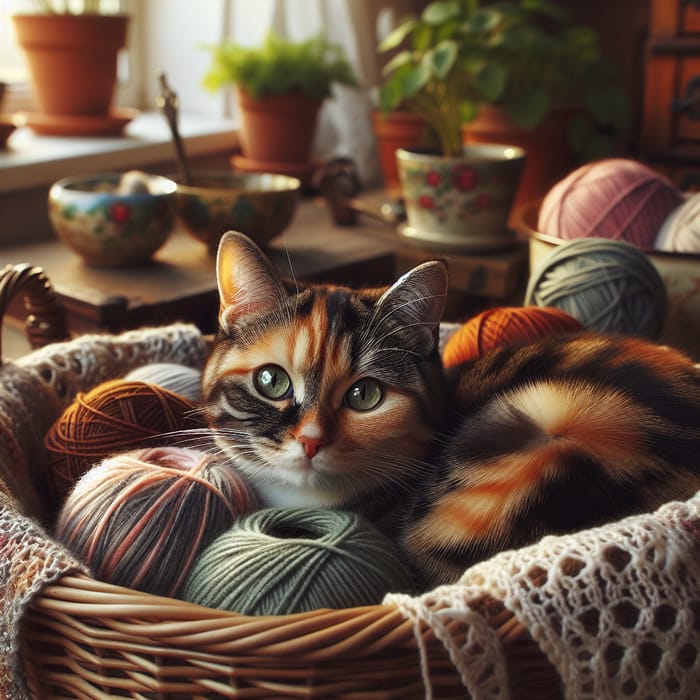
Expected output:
(311, 444)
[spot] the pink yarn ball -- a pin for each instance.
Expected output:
(615, 198)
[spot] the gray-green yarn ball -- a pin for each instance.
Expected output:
(278, 561)
(609, 286)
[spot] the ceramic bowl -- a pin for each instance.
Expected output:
(679, 271)
(111, 220)
(462, 203)
(261, 205)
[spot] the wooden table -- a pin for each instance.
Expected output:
(180, 284)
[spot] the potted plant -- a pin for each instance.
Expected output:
(72, 61)
(280, 87)
(518, 61)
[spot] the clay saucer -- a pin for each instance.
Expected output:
(110, 124)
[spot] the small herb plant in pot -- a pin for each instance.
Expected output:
(280, 87)
(522, 62)
(458, 198)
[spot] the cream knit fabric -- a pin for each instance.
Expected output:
(616, 609)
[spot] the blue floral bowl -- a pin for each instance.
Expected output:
(113, 219)
(261, 205)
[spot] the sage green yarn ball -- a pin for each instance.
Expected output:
(278, 561)
(609, 286)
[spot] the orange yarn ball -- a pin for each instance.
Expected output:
(505, 326)
(115, 416)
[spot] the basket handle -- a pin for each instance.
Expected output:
(46, 318)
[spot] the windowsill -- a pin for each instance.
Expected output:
(34, 161)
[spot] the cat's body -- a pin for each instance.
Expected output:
(330, 397)
(554, 437)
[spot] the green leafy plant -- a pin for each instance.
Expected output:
(523, 55)
(85, 7)
(278, 66)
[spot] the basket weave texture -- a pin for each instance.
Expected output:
(606, 613)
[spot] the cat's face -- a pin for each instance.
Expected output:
(323, 395)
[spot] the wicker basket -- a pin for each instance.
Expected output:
(78, 637)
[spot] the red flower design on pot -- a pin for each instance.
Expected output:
(119, 212)
(433, 178)
(426, 201)
(464, 178)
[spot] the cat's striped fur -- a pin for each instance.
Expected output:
(554, 437)
(326, 396)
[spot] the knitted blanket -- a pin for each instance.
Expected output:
(616, 609)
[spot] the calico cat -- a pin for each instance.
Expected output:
(330, 397)
(554, 437)
(324, 396)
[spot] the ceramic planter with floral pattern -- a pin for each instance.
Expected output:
(460, 204)
(112, 227)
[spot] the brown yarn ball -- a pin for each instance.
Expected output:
(115, 416)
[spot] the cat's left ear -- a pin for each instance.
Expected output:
(416, 302)
(248, 282)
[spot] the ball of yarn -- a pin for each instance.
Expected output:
(609, 286)
(615, 198)
(180, 379)
(140, 518)
(505, 325)
(680, 232)
(278, 561)
(113, 417)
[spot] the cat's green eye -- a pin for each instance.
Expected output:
(273, 382)
(364, 395)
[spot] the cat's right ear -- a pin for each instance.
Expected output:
(248, 282)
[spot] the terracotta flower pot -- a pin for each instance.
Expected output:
(394, 130)
(279, 128)
(72, 60)
(549, 155)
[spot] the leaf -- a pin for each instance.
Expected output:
(467, 111)
(529, 108)
(441, 11)
(484, 20)
(598, 146)
(396, 36)
(401, 59)
(442, 58)
(413, 80)
(491, 80)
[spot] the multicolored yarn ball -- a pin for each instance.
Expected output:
(505, 325)
(680, 232)
(180, 379)
(113, 417)
(141, 518)
(615, 198)
(278, 561)
(609, 286)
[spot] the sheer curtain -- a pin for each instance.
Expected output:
(174, 34)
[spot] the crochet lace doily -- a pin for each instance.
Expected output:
(616, 609)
